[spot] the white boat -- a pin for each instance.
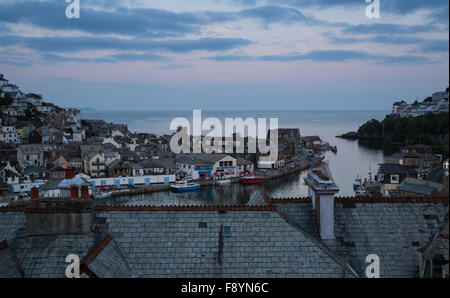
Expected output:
(357, 183)
(184, 186)
(104, 195)
(226, 181)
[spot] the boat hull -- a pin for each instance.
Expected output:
(256, 180)
(178, 188)
(104, 196)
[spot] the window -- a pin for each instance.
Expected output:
(395, 179)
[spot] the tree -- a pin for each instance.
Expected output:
(428, 99)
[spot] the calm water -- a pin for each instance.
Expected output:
(351, 159)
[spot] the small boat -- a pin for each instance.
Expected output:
(224, 181)
(357, 183)
(252, 179)
(184, 186)
(104, 195)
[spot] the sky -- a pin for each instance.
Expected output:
(235, 55)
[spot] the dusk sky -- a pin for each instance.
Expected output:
(226, 54)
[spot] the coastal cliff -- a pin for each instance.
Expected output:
(429, 129)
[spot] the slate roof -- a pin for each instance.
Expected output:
(31, 149)
(189, 244)
(438, 248)
(395, 231)
(158, 163)
(44, 256)
(107, 261)
(279, 240)
(387, 168)
(435, 175)
(10, 222)
(51, 184)
(420, 187)
(10, 267)
(199, 158)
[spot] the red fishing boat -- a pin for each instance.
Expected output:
(252, 179)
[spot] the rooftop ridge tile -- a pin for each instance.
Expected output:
(185, 208)
(96, 250)
(407, 199)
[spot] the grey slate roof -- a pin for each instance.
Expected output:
(200, 242)
(421, 187)
(188, 244)
(109, 262)
(9, 266)
(438, 247)
(199, 158)
(10, 222)
(393, 231)
(435, 175)
(44, 256)
(387, 168)
(31, 149)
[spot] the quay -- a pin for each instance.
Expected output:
(270, 175)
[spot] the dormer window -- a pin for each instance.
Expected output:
(395, 179)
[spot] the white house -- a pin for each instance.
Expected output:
(206, 165)
(79, 135)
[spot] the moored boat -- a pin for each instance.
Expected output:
(224, 181)
(104, 195)
(184, 186)
(252, 179)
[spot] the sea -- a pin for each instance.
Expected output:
(353, 157)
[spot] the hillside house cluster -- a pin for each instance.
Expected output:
(414, 171)
(437, 103)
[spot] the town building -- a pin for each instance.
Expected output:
(391, 175)
(206, 166)
(30, 155)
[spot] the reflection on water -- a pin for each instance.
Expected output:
(353, 157)
(231, 194)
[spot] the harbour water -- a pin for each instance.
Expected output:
(351, 159)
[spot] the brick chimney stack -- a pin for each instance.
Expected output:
(74, 191)
(70, 173)
(85, 192)
(321, 188)
(35, 193)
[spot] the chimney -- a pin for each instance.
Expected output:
(74, 191)
(34, 193)
(84, 192)
(58, 216)
(70, 173)
(322, 188)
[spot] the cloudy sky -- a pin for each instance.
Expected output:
(226, 54)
